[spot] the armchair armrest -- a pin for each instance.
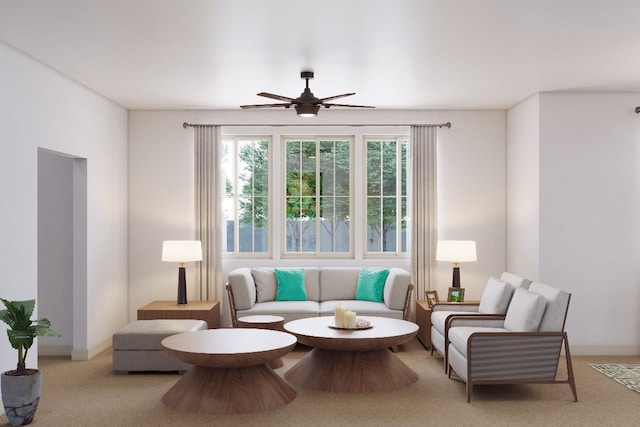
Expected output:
(456, 306)
(514, 356)
(477, 320)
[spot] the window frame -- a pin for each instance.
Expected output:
(317, 139)
(268, 254)
(398, 253)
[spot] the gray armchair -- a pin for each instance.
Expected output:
(523, 347)
(495, 300)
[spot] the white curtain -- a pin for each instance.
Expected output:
(424, 208)
(208, 206)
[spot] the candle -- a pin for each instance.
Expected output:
(338, 315)
(350, 319)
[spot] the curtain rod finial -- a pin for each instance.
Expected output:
(637, 110)
(185, 125)
(447, 125)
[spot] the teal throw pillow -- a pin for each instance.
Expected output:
(290, 284)
(371, 284)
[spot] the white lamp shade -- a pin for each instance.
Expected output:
(181, 250)
(456, 251)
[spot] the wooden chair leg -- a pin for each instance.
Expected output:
(571, 379)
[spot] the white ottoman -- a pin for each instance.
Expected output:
(136, 347)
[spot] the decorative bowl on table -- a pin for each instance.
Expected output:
(360, 324)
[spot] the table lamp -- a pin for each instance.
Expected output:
(181, 251)
(456, 251)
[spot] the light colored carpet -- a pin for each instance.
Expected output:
(626, 374)
(87, 393)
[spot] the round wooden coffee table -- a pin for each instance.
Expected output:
(275, 323)
(230, 373)
(351, 360)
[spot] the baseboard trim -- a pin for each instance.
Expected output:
(601, 350)
(80, 354)
(55, 350)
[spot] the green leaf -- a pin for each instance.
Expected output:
(22, 330)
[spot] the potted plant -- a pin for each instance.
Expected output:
(21, 386)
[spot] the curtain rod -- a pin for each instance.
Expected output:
(438, 125)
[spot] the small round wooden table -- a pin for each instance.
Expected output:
(275, 323)
(351, 360)
(230, 373)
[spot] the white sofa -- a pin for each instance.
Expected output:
(252, 291)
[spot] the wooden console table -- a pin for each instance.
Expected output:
(209, 311)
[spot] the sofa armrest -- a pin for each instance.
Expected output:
(407, 303)
(396, 289)
(243, 288)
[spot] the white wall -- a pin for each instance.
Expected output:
(472, 170)
(523, 182)
(41, 108)
(574, 206)
(590, 214)
(55, 247)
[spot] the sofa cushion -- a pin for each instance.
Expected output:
(370, 285)
(290, 284)
(495, 297)
(361, 308)
(289, 310)
(266, 284)
(338, 283)
(525, 311)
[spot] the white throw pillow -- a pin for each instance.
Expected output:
(525, 311)
(266, 283)
(495, 297)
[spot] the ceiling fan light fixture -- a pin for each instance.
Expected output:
(307, 110)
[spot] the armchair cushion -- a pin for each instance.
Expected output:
(556, 307)
(459, 336)
(525, 311)
(495, 297)
(515, 280)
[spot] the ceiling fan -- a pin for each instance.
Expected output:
(306, 105)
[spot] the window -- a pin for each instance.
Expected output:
(317, 196)
(246, 201)
(386, 195)
(300, 196)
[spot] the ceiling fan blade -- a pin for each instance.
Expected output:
(327, 105)
(330, 98)
(274, 96)
(287, 105)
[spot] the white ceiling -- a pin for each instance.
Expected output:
(168, 54)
